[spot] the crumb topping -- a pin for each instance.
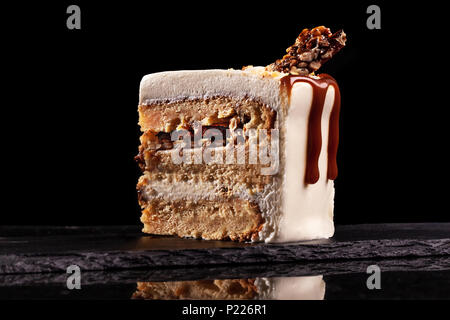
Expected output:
(311, 50)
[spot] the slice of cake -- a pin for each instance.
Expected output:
(283, 288)
(242, 154)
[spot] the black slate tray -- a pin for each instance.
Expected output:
(53, 249)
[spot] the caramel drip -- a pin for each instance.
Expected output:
(314, 145)
(333, 134)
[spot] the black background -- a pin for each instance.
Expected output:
(70, 117)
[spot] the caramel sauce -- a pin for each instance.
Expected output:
(314, 145)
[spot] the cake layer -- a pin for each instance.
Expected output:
(167, 116)
(234, 219)
(263, 196)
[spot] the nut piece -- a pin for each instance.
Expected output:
(311, 50)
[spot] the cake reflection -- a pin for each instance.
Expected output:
(277, 288)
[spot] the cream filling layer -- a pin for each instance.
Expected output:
(183, 190)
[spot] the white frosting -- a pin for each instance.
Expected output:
(307, 209)
(175, 85)
(291, 288)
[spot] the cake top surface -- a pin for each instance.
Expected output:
(310, 51)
